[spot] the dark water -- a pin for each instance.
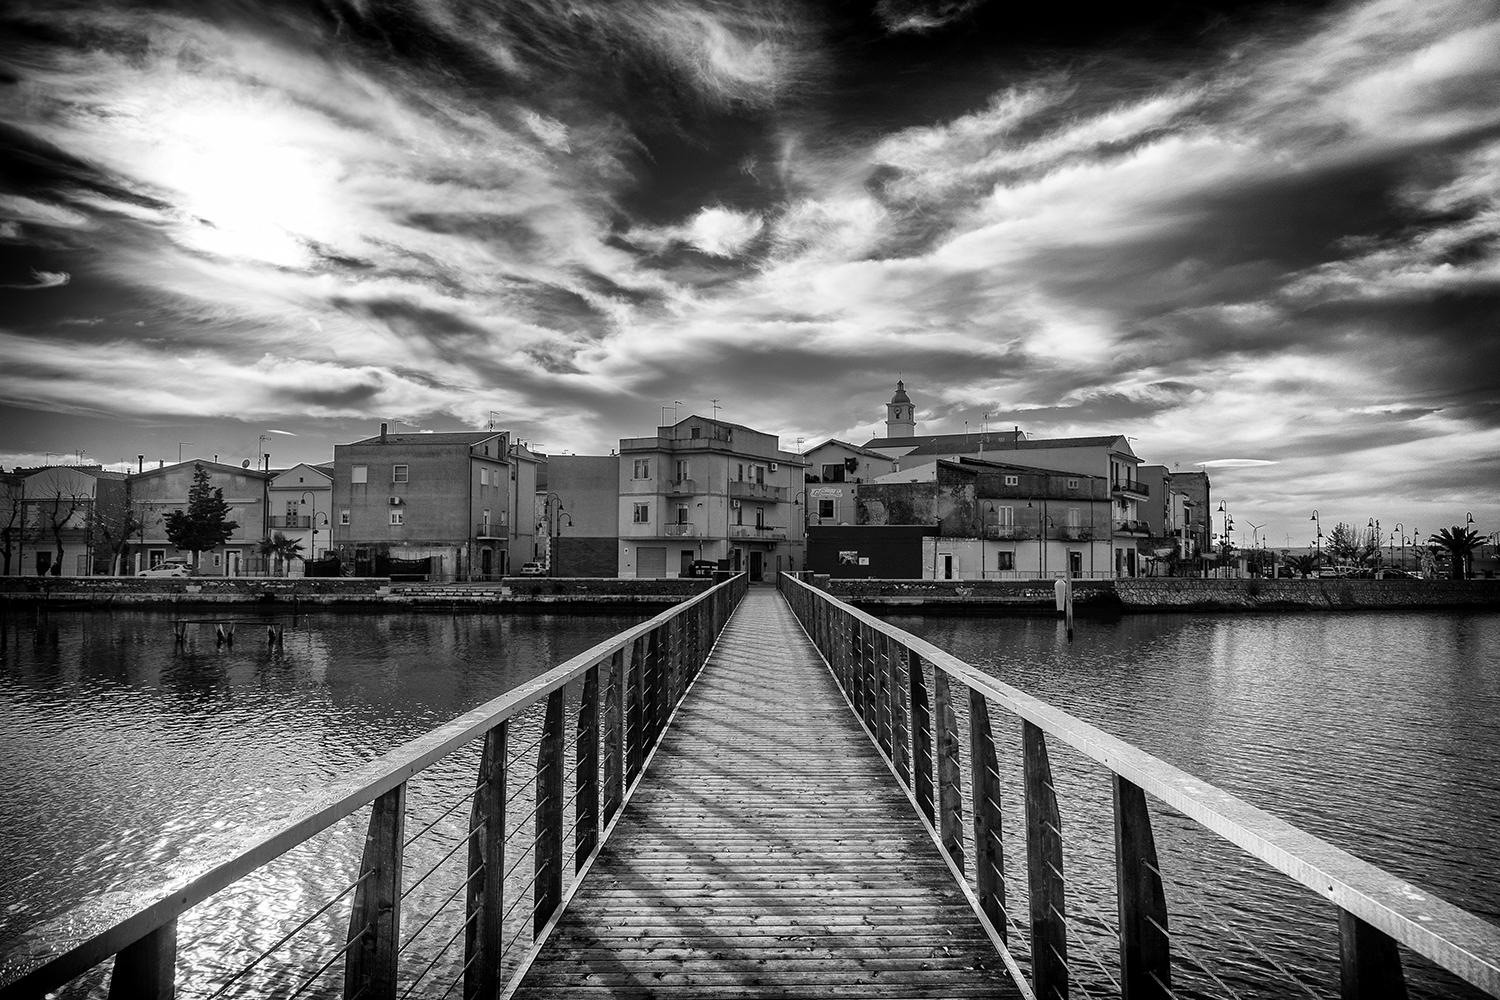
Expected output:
(1379, 733)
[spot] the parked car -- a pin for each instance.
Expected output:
(1396, 574)
(170, 568)
(702, 567)
(533, 569)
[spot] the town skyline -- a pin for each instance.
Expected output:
(1236, 233)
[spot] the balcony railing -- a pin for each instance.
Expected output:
(490, 529)
(1132, 528)
(1130, 486)
(682, 486)
(757, 491)
(1002, 531)
(764, 533)
(1076, 532)
(291, 521)
(677, 530)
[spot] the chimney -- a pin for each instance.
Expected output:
(382, 433)
(267, 466)
(140, 463)
(161, 463)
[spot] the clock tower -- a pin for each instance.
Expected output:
(900, 415)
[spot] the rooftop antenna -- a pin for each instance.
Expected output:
(716, 408)
(675, 404)
(179, 449)
(494, 418)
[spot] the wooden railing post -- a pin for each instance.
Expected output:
(989, 848)
(921, 737)
(635, 709)
(881, 662)
(147, 969)
(900, 717)
(370, 964)
(486, 893)
(1044, 867)
(547, 887)
(1369, 962)
(586, 773)
(1145, 952)
(613, 778)
(870, 679)
(950, 802)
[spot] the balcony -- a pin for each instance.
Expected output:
(291, 521)
(1076, 533)
(681, 487)
(757, 491)
(1002, 531)
(759, 533)
(1132, 528)
(679, 530)
(1131, 486)
(489, 529)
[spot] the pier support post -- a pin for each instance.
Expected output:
(1145, 953)
(1044, 867)
(950, 802)
(900, 718)
(921, 737)
(370, 964)
(989, 848)
(1369, 964)
(586, 775)
(483, 940)
(147, 970)
(614, 737)
(547, 888)
(635, 714)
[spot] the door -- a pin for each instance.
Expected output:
(756, 558)
(486, 563)
(651, 563)
(1075, 563)
(947, 566)
(686, 563)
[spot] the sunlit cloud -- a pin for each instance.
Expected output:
(43, 279)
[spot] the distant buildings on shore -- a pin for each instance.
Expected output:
(698, 494)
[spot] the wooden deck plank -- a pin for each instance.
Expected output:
(768, 853)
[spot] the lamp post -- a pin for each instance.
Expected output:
(312, 519)
(1469, 569)
(1374, 526)
(1394, 533)
(1318, 555)
(1228, 523)
(555, 513)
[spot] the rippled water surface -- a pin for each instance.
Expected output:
(1379, 733)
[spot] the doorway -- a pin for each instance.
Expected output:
(756, 560)
(947, 565)
(486, 563)
(685, 567)
(1075, 563)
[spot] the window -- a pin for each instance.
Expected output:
(760, 475)
(1005, 560)
(760, 517)
(292, 507)
(682, 513)
(696, 432)
(1005, 517)
(682, 470)
(825, 508)
(833, 472)
(642, 513)
(1074, 517)
(742, 471)
(1072, 484)
(1012, 480)
(398, 473)
(485, 516)
(642, 469)
(344, 516)
(739, 515)
(398, 517)
(359, 474)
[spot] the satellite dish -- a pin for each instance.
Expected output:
(245, 464)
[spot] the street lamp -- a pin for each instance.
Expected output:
(1228, 523)
(1394, 532)
(1318, 555)
(1374, 526)
(554, 513)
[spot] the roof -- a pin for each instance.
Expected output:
(949, 444)
(212, 466)
(993, 439)
(456, 437)
(900, 396)
(852, 447)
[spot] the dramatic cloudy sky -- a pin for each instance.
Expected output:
(1232, 231)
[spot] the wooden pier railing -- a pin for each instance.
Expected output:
(609, 704)
(910, 695)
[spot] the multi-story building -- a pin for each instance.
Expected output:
(834, 471)
(301, 505)
(996, 520)
(459, 503)
(1190, 497)
(154, 493)
(63, 520)
(704, 489)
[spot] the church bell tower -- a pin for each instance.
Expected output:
(900, 415)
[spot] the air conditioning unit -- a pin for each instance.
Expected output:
(734, 505)
(395, 501)
(773, 466)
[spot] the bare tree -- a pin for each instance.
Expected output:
(12, 517)
(59, 507)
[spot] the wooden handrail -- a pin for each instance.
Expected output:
(55, 951)
(1448, 935)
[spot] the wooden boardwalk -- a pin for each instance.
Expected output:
(768, 853)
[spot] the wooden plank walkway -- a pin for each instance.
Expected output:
(768, 853)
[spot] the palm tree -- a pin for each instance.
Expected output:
(1306, 565)
(281, 548)
(1460, 543)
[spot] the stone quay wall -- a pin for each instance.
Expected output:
(1327, 593)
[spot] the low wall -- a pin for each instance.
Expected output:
(518, 591)
(1019, 594)
(1326, 593)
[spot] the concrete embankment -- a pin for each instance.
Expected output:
(511, 593)
(1161, 595)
